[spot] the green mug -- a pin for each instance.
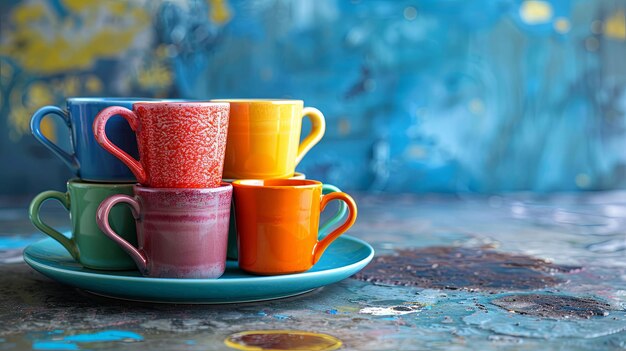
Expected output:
(88, 245)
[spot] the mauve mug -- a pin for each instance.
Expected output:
(87, 159)
(181, 144)
(181, 233)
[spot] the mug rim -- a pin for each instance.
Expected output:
(181, 103)
(300, 176)
(284, 183)
(113, 99)
(80, 183)
(268, 101)
(224, 186)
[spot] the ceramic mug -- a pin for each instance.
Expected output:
(87, 159)
(182, 233)
(88, 245)
(232, 252)
(278, 221)
(264, 137)
(181, 144)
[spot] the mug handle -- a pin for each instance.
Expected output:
(322, 245)
(33, 213)
(35, 127)
(99, 131)
(318, 127)
(341, 211)
(102, 218)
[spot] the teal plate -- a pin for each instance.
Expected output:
(343, 258)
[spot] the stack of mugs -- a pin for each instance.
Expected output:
(203, 180)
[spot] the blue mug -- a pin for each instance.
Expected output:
(87, 159)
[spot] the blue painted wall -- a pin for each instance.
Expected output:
(419, 96)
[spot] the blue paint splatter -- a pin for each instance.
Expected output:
(190, 342)
(262, 314)
(281, 316)
(69, 342)
(18, 241)
(108, 335)
(332, 311)
(54, 345)
(389, 319)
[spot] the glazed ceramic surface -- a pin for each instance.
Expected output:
(181, 144)
(278, 221)
(88, 245)
(88, 160)
(264, 137)
(344, 257)
(232, 252)
(182, 233)
(296, 175)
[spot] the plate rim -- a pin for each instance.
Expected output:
(207, 281)
(200, 301)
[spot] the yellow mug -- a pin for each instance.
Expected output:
(264, 137)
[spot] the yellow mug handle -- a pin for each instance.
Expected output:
(318, 127)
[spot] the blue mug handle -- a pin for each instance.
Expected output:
(341, 212)
(35, 127)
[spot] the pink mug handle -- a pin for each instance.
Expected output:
(99, 131)
(102, 218)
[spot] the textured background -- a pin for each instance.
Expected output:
(419, 96)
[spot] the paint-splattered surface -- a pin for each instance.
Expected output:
(418, 95)
(556, 306)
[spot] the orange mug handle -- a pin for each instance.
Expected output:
(322, 245)
(318, 128)
(99, 131)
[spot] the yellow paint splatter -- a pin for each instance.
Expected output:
(26, 99)
(45, 43)
(24, 102)
(155, 75)
(93, 84)
(343, 309)
(258, 340)
(562, 25)
(535, 12)
(615, 26)
(220, 12)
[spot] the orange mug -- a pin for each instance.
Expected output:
(278, 221)
(264, 137)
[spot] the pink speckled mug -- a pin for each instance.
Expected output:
(181, 144)
(181, 233)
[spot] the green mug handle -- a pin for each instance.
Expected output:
(33, 213)
(338, 216)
